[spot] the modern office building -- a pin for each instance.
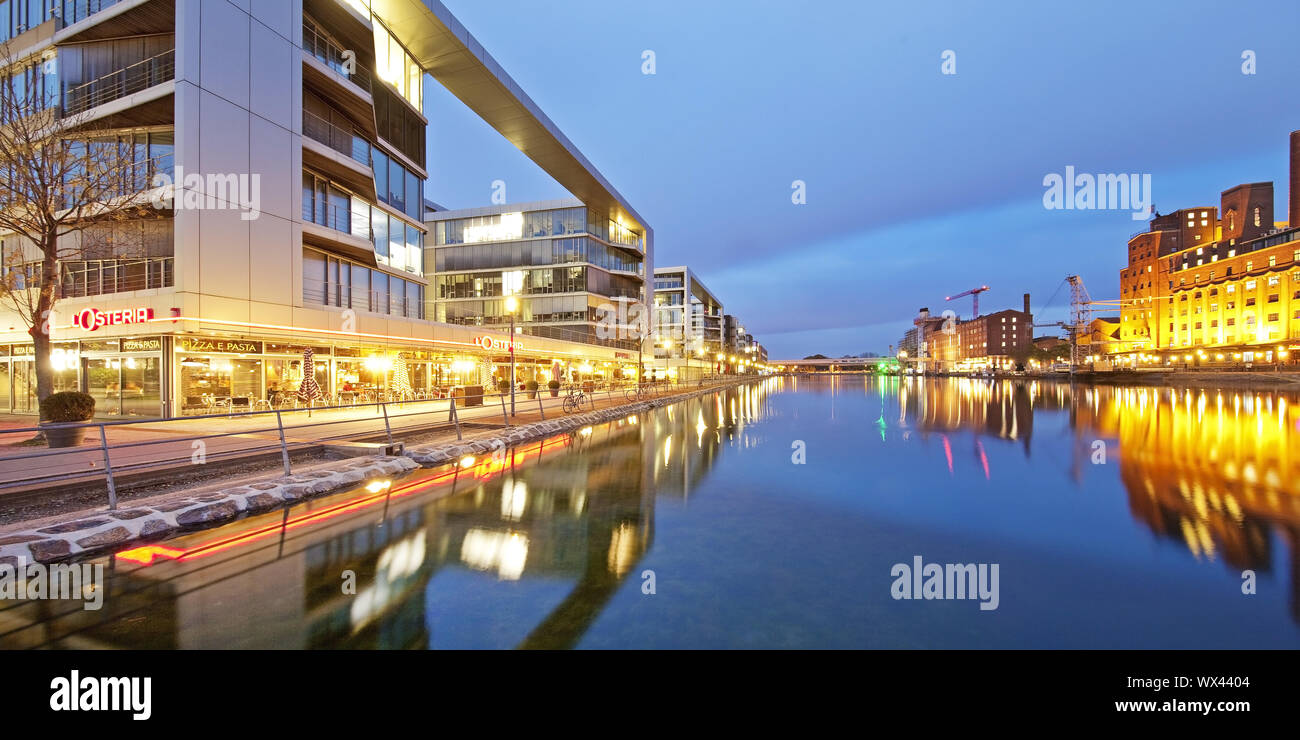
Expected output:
(688, 324)
(739, 343)
(575, 270)
(1213, 286)
(315, 108)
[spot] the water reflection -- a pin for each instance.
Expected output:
(355, 570)
(531, 549)
(1212, 470)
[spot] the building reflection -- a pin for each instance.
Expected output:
(355, 570)
(1214, 471)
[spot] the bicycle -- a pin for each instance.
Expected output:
(573, 402)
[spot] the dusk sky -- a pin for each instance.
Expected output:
(919, 184)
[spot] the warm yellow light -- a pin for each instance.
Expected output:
(467, 461)
(512, 304)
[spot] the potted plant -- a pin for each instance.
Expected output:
(66, 407)
(554, 387)
(531, 387)
(503, 386)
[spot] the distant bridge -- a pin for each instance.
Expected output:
(831, 364)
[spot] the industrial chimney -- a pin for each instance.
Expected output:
(1026, 303)
(1293, 204)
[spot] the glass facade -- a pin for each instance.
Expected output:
(397, 243)
(480, 259)
(332, 281)
(17, 16)
(396, 67)
(535, 252)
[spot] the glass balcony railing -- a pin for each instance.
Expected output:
(129, 80)
(75, 11)
(329, 54)
(336, 137)
(101, 277)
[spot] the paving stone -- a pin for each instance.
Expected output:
(173, 506)
(206, 514)
(114, 536)
(15, 539)
(155, 527)
(129, 513)
(76, 526)
(262, 501)
(49, 549)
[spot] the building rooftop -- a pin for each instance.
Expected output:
(448, 52)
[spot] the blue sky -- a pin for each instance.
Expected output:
(919, 184)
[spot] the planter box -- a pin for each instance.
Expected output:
(61, 436)
(468, 395)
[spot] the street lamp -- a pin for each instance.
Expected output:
(512, 305)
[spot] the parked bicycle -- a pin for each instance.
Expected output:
(573, 402)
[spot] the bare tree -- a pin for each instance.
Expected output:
(65, 182)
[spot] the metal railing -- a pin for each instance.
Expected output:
(329, 54)
(74, 11)
(333, 216)
(129, 80)
(82, 278)
(341, 140)
(163, 445)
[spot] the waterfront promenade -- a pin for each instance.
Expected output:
(167, 451)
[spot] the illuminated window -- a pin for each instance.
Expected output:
(396, 67)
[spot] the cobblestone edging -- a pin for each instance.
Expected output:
(444, 452)
(111, 530)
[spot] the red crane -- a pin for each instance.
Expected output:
(974, 292)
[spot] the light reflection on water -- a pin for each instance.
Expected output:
(1120, 517)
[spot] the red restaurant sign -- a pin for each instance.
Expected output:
(91, 319)
(494, 344)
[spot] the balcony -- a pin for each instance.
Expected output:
(341, 140)
(341, 152)
(102, 20)
(329, 54)
(338, 230)
(75, 11)
(102, 277)
(129, 80)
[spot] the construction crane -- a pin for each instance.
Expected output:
(1081, 310)
(973, 292)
